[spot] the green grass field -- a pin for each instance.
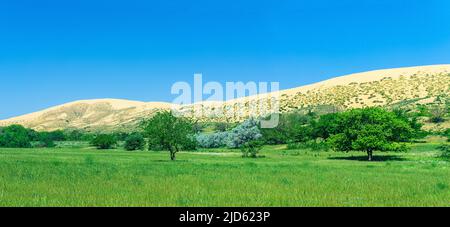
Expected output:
(88, 177)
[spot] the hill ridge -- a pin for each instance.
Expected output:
(372, 88)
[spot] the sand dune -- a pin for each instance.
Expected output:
(373, 88)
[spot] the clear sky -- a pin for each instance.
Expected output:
(52, 52)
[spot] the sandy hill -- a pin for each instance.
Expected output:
(388, 87)
(98, 114)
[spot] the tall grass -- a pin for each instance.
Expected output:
(88, 177)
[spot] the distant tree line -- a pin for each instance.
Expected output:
(367, 129)
(17, 136)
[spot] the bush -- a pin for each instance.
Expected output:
(134, 141)
(73, 135)
(250, 149)
(243, 133)
(104, 141)
(437, 114)
(221, 126)
(274, 136)
(48, 143)
(447, 134)
(238, 136)
(214, 140)
(445, 148)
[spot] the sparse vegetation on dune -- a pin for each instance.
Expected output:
(386, 88)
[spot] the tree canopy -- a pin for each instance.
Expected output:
(367, 129)
(169, 132)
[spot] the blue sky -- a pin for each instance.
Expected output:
(52, 52)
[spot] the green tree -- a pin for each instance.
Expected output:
(369, 139)
(57, 135)
(15, 136)
(168, 132)
(104, 141)
(292, 127)
(326, 126)
(134, 141)
(121, 136)
(45, 142)
(75, 135)
(410, 118)
(339, 142)
(365, 130)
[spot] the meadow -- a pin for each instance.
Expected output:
(83, 176)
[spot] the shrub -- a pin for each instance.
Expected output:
(214, 140)
(243, 133)
(445, 148)
(198, 127)
(104, 141)
(274, 136)
(437, 114)
(134, 141)
(46, 142)
(221, 126)
(296, 146)
(250, 149)
(237, 137)
(74, 135)
(447, 134)
(39, 144)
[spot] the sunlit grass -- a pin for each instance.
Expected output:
(220, 177)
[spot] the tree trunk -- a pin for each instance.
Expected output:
(172, 153)
(369, 153)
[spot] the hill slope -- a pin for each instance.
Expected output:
(375, 88)
(99, 114)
